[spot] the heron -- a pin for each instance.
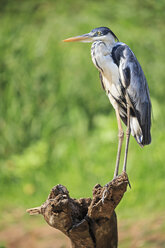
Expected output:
(125, 84)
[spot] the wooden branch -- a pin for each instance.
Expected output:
(87, 222)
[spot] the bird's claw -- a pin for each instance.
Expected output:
(104, 193)
(129, 184)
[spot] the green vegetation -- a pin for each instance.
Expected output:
(56, 123)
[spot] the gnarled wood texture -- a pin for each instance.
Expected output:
(89, 223)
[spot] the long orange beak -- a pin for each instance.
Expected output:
(82, 38)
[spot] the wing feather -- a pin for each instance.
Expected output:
(134, 81)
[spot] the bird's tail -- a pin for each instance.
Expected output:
(141, 133)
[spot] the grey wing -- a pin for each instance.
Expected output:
(136, 88)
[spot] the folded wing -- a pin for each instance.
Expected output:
(134, 82)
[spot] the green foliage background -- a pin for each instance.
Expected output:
(56, 123)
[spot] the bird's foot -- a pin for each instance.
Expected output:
(129, 184)
(106, 190)
(128, 180)
(104, 193)
(115, 178)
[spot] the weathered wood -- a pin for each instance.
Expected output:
(89, 223)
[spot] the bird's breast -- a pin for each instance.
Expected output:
(101, 57)
(110, 74)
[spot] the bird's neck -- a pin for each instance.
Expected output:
(100, 46)
(99, 50)
(110, 42)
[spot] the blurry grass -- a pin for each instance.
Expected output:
(56, 123)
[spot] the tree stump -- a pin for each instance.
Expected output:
(89, 223)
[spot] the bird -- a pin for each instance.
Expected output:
(125, 84)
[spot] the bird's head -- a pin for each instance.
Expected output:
(102, 33)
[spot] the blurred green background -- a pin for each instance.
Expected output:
(56, 123)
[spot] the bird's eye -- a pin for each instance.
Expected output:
(99, 33)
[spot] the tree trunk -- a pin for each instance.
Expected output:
(89, 223)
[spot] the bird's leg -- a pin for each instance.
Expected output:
(127, 138)
(120, 136)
